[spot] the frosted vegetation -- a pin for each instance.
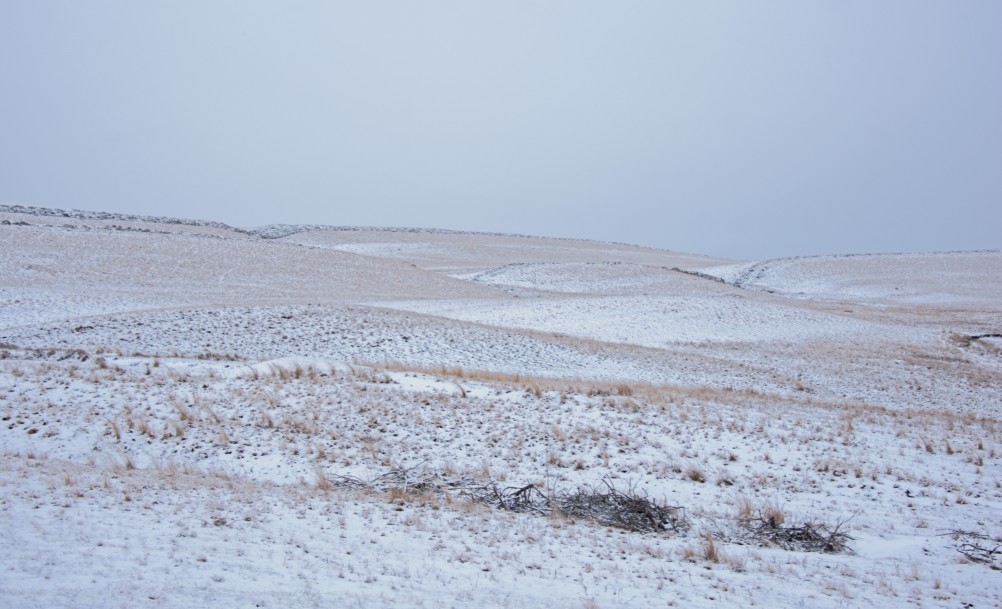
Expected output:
(195, 415)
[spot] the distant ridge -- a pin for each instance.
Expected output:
(80, 214)
(270, 231)
(278, 231)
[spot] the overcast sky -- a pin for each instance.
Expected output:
(739, 129)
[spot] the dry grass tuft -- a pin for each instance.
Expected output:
(695, 473)
(707, 551)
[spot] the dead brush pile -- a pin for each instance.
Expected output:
(804, 536)
(630, 509)
(409, 482)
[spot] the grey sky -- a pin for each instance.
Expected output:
(742, 129)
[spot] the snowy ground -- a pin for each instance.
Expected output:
(183, 407)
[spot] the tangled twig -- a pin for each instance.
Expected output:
(977, 547)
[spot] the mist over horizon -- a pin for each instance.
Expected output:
(745, 131)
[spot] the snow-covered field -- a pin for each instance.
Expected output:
(194, 415)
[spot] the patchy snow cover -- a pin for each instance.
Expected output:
(656, 321)
(190, 419)
(462, 254)
(51, 272)
(288, 366)
(941, 278)
(603, 278)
